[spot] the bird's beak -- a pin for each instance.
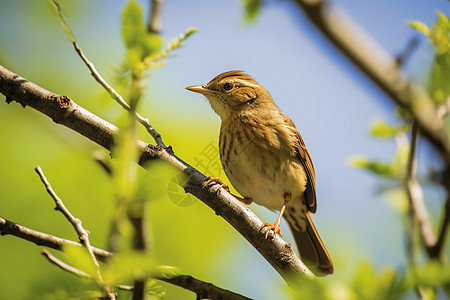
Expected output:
(198, 89)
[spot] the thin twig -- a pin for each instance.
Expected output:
(415, 194)
(64, 266)
(204, 290)
(154, 24)
(415, 197)
(111, 91)
(83, 234)
(437, 250)
(406, 54)
(44, 239)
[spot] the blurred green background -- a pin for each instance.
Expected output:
(331, 103)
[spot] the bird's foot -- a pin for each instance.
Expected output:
(274, 228)
(217, 180)
(225, 186)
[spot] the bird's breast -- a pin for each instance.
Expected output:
(257, 165)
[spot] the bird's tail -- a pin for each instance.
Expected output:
(312, 250)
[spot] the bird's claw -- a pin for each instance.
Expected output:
(274, 228)
(217, 180)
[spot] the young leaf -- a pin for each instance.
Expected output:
(439, 35)
(133, 27)
(422, 27)
(252, 9)
(155, 290)
(381, 129)
(376, 167)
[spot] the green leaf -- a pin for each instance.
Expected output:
(252, 9)
(133, 27)
(439, 87)
(127, 266)
(175, 43)
(397, 199)
(307, 288)
(151, 44)
(80, 258)
(420, 26)
(375, 167)
(439, 35)
(154, 289)
(381, 129)
(387, 285)
(434, 275)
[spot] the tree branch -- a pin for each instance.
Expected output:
(63, 265)
(436, 251)
(154, 24)
(417, 212)
(380, 67)
(204, 290)
(201, 288)
(82, 233)
(66, 112)
(415, 194)
(44, 239)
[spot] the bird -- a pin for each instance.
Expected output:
(266, 161)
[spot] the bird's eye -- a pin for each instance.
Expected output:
(227, 86)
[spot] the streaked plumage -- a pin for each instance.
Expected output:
(265, 158)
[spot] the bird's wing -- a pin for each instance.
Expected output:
(304, 157)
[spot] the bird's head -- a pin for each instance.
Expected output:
(234, 92)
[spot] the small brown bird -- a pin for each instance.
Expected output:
(266, 160)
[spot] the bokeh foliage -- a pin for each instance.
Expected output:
(178, 233)
(69, 163)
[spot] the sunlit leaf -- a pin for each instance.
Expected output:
(420, 26)
(387, 285)
(375, 167)
(439, 36)
(153, 185)
(80, 258)
(381, 129)
(151, 44)
(127, 266)
(154, 289)
(154, 59)
(306, 288)
(397, 199)
(439, 87)
(176, 192)
(126, 152)
(132, 27)
(433, 275)
(252, 9)
(339, 291)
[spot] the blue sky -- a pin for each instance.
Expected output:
(331, 103)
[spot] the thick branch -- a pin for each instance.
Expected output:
(66, 112)
(380, 67)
